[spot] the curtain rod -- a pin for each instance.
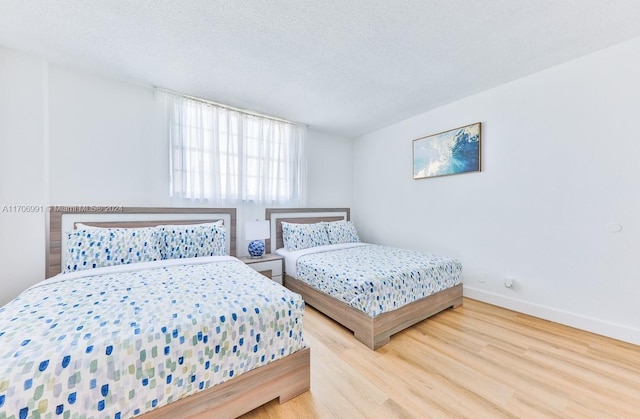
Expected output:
(231, 108)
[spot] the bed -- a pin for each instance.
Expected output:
(177, 337)
(385, 291)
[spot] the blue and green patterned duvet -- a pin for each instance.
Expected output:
(120, 341)
(373, 279)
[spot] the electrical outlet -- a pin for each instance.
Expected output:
(508, 282)
(483, 277)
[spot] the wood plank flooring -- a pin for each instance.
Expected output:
(478, 361)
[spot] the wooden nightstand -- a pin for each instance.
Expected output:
(268, 265)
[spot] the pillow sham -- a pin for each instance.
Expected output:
(193, 240)
(90, 248)
(342, 232)
(302, 236)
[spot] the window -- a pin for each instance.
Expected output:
(227, 156)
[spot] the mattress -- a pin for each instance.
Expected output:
(370, 278)
(120, 341)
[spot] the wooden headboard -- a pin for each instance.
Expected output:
(65, 218)
(301, 216)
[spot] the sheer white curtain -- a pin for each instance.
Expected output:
(223, 157)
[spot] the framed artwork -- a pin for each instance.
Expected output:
(447, 153)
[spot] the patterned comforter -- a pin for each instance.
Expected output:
(120, 341)
(373, 279)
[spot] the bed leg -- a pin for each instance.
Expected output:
(373, 342)
(299, 380)
(457, 303)
(380, 340)
(365, 338)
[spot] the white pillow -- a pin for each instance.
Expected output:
(342, 232)
(192, 240)
(98, 247)
(302, 236)
(80, 226)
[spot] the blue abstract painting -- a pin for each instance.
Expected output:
(447, 153)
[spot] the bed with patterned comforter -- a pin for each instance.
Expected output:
(120, 341)
(370, 278)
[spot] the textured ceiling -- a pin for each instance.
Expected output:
(345, 67)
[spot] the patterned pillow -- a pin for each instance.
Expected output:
(98, 247)
(342, 232)
(303, 236)
(189, 241)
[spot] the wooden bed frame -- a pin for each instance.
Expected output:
(64, 218)
(284, 379)
(372, 331)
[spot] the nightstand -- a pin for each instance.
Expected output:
(268, 265)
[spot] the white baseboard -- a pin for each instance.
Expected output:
(590, 324)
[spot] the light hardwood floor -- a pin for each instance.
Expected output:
(478, 361)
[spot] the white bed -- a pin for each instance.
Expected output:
(373, 290)
(162, 338)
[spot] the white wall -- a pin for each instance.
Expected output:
(104, 144)
(22, 171)
(329, 171)
(560, 163)
(71, 138)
